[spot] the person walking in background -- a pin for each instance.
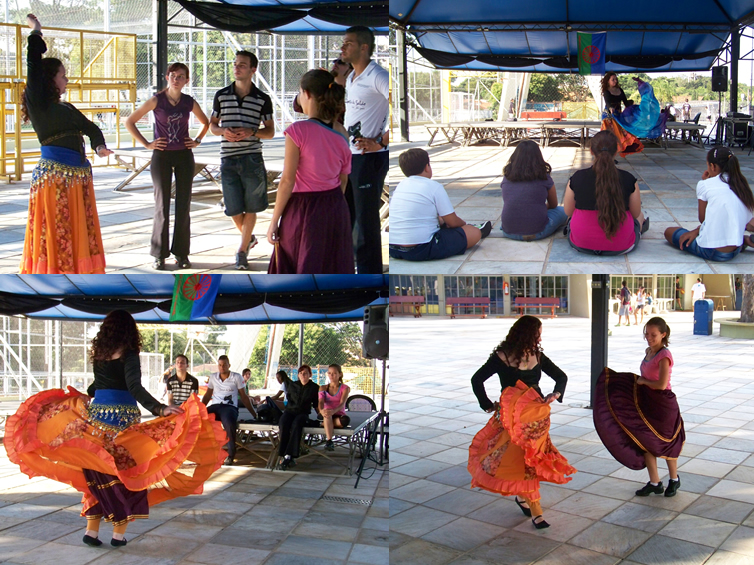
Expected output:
(678, 292)
(242, 115)
(698, 290)
(62, 229)
(171, 155)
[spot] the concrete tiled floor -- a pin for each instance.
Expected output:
(472, 176)
(126, 224)
(246, 516)
(596, 519)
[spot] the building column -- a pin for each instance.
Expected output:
(402, 84)
(600, 322)
(160, 34)
(441, 310)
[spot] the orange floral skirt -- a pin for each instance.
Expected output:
(513, 452)
(628, 143)
(52, 435)
(62, 232)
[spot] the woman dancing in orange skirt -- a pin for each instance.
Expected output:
(513, 452)
(98, 446)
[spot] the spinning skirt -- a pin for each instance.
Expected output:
(627, 142)
(122, 467)
(513, 452)
(62, 231)
(315, 235)
(633, 419)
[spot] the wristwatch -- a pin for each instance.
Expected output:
(378, 140)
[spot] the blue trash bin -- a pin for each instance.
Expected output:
(703, 310)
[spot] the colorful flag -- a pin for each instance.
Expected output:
(592, 53)
(193, 296)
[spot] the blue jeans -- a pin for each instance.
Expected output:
(556, 217)
(703, 252)
(244, 181)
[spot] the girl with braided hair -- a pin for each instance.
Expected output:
(513, 452)
(726, 206)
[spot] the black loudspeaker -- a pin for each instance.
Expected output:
(376, 344)
(720, 79)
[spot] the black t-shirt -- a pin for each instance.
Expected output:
(124, 373)
(613, 101)
(583, 184)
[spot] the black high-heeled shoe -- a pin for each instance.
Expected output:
(540, 525)
(524, 509)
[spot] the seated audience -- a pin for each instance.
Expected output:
(423, 223)
(181, 385)
(530, 201)
(222, 394)
(302, 397)
(603, 203)
(332, 402)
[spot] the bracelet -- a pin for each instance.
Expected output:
(100, 147)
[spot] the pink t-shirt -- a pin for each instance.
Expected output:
(650, 369)
(587, 233)
(324, 156)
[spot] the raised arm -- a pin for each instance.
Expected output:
(35, 48)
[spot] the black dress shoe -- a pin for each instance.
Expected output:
(541, 525)
(672, 487)
(94, 542)
(182, 262)
(118, 542)
(228, 461)
(159, 265)
(524, 509)
(649, 488)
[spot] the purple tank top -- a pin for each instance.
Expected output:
(171, 122)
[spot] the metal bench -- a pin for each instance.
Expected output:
(400, 303)
(468, 302)
(522, 303)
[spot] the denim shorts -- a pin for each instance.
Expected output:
(703, 252)
(446, 242)
(244, 181)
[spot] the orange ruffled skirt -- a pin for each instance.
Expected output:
(50, 436)
(513, 452)
(628, 143)
(62, 232)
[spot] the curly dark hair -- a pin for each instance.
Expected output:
(522, 339)
(50, 67)
(117, 332)
(605, 82)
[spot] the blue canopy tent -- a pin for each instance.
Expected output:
(540, 35)
(242, 299)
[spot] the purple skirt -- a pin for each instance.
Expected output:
(633, 419)
(115, 503)
(315, 235)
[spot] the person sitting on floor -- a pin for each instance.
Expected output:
(222, 394)
(332, 402)
(423, 223)
(604, 203)
(302, 397)
(530, 201)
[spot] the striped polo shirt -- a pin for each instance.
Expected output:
(249, 112)
(182, 390)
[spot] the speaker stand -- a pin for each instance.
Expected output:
(719, 123)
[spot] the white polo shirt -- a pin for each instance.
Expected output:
(225, 391)
(367, 103)
(697, 291)
(414, 207)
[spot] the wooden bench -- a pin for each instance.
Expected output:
(467, 302)
(523, 303)
(401, 301)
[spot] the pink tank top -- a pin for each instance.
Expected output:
(587, 233)
(650, 369)
(332, 402)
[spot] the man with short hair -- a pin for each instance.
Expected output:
(238, 114)
(223, 391)
(697, 292)
(625, 304)
(423, 223)
(366, 121)
(181, 385)
(686, 111)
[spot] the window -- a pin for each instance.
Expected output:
(417, 285)
(491, 287)
(541, 287)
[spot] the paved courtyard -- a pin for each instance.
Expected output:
(472, 177)
(435, 518)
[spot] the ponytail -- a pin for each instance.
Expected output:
(611, 207)
(337, 367)
(329, 95)
(724, 158)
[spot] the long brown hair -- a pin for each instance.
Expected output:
(724, 158)
(611, 207)
(50, 67)
(522, 339)
(662, 327)
(117, 332)
(526, 163)
(605, 82)
(329, 95)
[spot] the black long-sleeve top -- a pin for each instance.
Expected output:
(124, 373)
(612, 102)
(301, 398)
(52, 120)
(509, 376)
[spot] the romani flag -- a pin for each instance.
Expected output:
(193, 296)
(592, 53)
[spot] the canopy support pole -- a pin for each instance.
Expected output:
(735, 54)
(600, 323)
(402, 84)
(161, 43)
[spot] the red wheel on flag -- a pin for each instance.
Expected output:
(196, 286)
(590, 54)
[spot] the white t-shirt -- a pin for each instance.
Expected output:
(726, 216)
(697, 291)
(225, 391)
(367, 102)
(640, 298)
(414, 207)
